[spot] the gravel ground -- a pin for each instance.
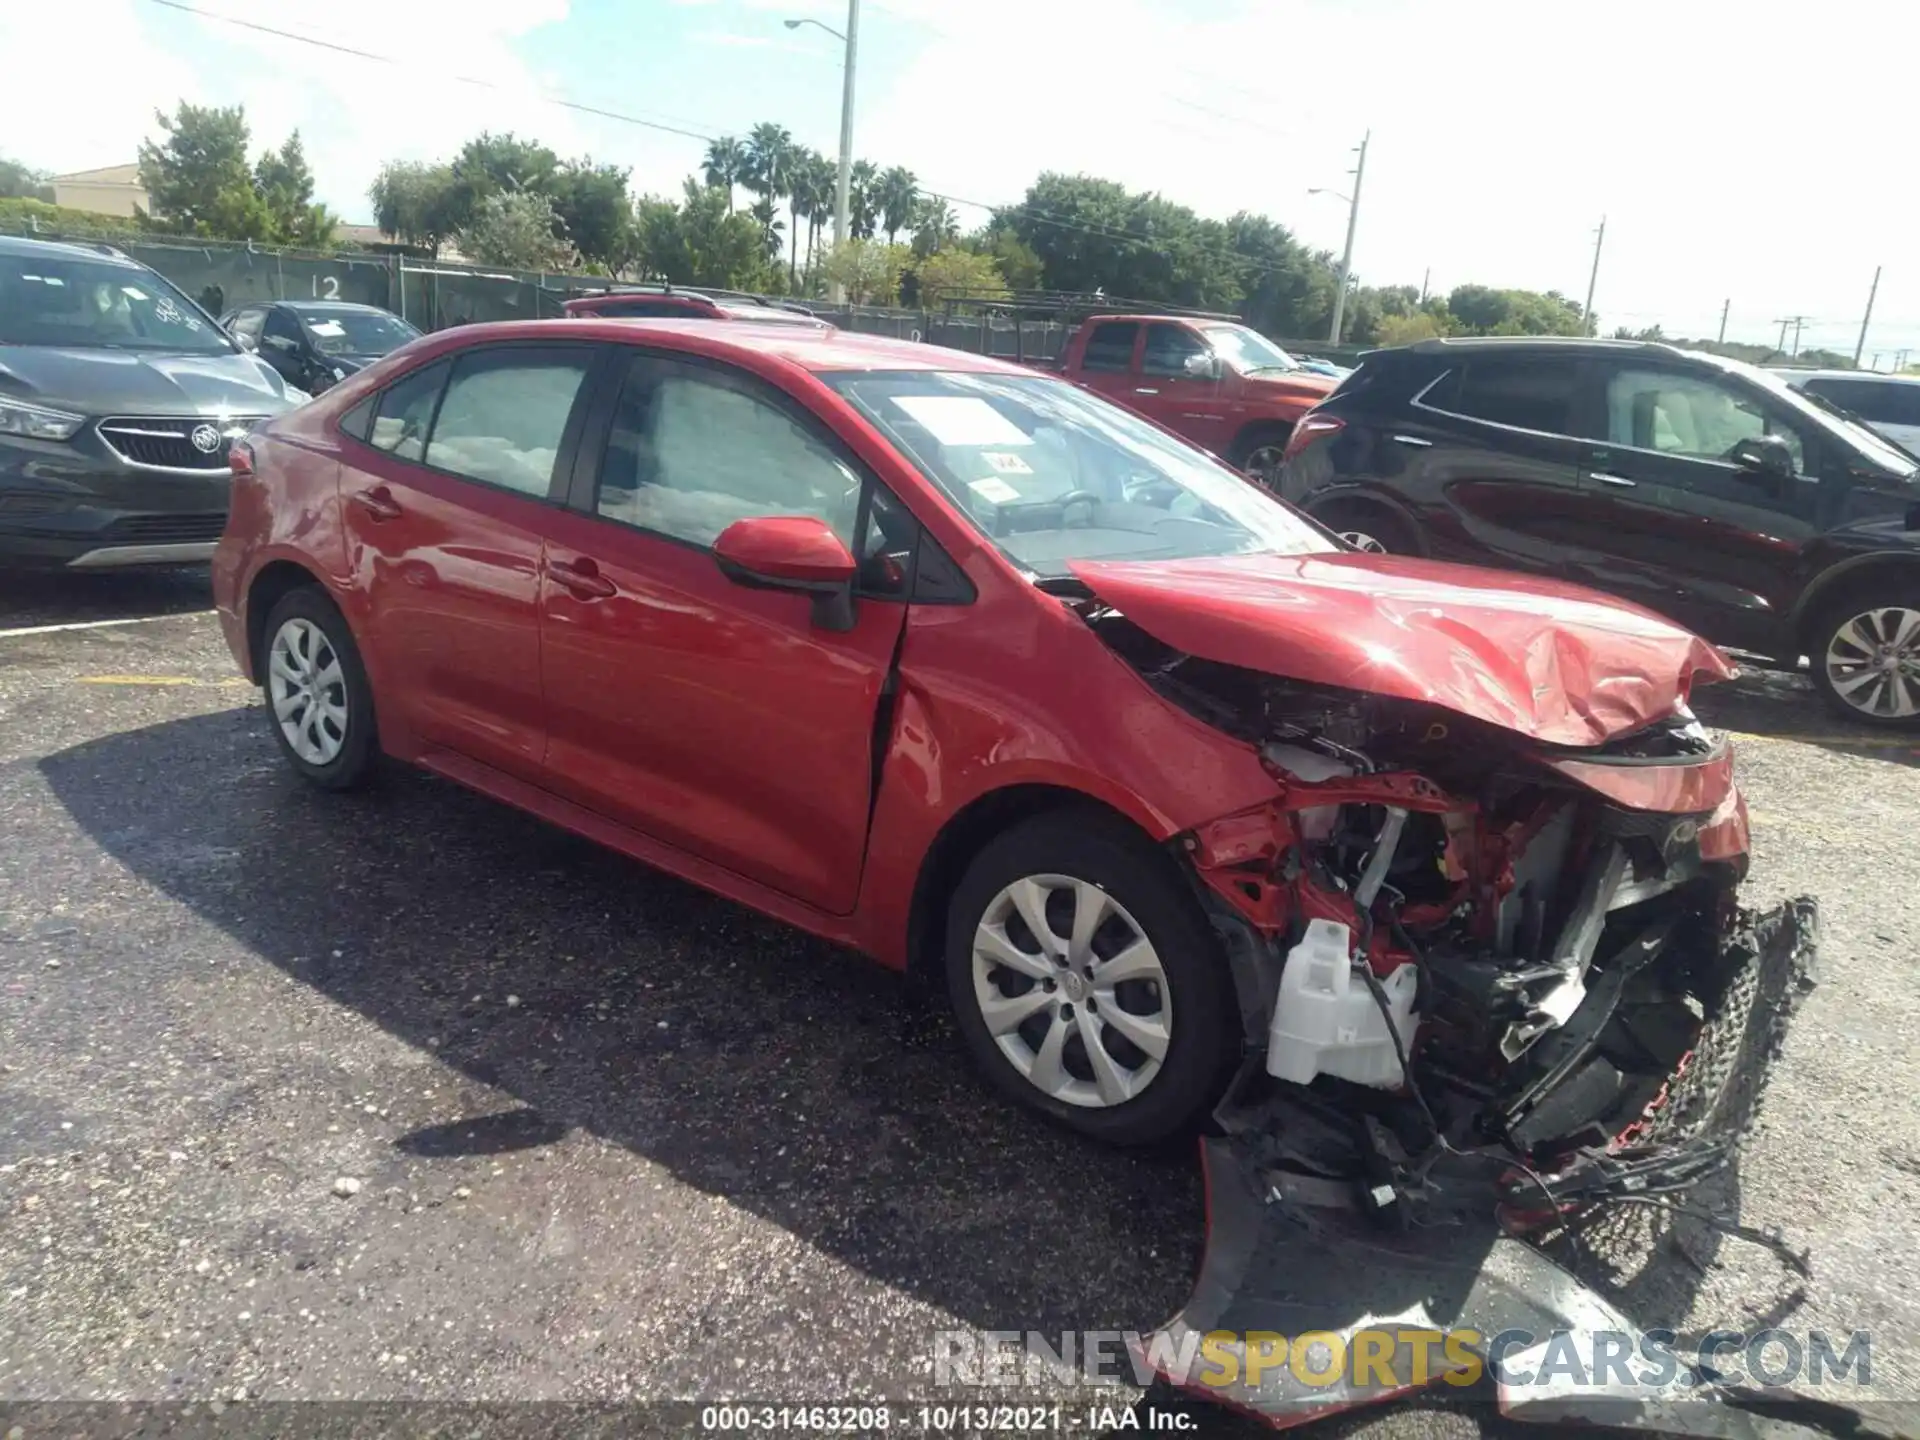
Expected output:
(405, 1096)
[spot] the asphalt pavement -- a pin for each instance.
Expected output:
(406, 1096)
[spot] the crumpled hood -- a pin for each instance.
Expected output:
(141, 382)
(1304, 385)
(1553, 662)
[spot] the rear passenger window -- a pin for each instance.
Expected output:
(1889, 402)
(1528, 392)
(405, 413)
(1109, 347)
(505, 414)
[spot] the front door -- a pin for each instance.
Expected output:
(444, 520)
(1189, 404)
(716, 718)
(1685, 531)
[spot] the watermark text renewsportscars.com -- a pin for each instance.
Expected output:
(1394, 1358)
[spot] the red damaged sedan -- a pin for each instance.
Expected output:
(1418, 878)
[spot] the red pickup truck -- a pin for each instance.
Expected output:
(1224, 387)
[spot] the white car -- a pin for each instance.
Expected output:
(1889, 404)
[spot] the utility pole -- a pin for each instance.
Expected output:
(843, 181)
(1424, 278)
(1593, 279)
(1346, 256)
(1866, 319)
(1724, 308)
(1796, 321)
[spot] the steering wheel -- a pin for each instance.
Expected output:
(1152, 490)
(1077, 497)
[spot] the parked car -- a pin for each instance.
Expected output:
(673, 303)
(315, 344)
(963, 667)
(1888, 404)
(118, 399)
(1225, 387)
(1705, 489)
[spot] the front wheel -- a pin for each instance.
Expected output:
(1866, 655)
(1086, 983)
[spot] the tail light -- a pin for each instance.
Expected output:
(240, 460)
(1313, 425)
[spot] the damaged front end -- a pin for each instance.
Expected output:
(1488, 983)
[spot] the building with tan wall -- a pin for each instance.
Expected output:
(112, 190)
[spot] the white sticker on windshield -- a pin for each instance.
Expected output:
(961, 420)
(1006, 464)
(332, 329)
(165, 310)
(998, 491)
(133, 292)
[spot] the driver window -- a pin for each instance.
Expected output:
(282, 326)
(1687, 416)
(694, 449)
(1168, 349)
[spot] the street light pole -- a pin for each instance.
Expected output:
(1346, 256)
(843, 177)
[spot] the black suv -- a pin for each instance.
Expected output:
(315, 344)
(118, 400)
(1705, 489)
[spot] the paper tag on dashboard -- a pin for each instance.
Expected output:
(1006, 464)
(998, 491)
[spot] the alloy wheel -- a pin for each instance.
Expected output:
(1263, 466)
(1873, 663)
(307, 688)
(1072, 991)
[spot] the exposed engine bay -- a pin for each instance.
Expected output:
(1485, 981)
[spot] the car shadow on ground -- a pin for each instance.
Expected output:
(794, 1080)
(60, 597)
(1785, 706)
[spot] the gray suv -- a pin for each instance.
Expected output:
(119, 398)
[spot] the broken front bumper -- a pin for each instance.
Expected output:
(1314, 1298)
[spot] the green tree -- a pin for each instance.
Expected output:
(771, 161)
(18, 182)
(814, 177)
(285, 185)
(1406, 329)
(955, 272)
(197, 178)
(1286, 288)
(896, 192)
(1013, 257)
(726, 165)
(416, 203)
(516, 229)
(699, 241)
(863, 202)
(497, 164)
(1482, 310)
(935, 226)
(595, 212)
(868, 270)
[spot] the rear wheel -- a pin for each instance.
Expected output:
(1259, 454)
(1865, 650)
(1086, 983)
(1370, 528)
(317, 692)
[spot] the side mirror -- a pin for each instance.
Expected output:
(791, 552)
(1203, 367)
(1764, 455)
(246, 343)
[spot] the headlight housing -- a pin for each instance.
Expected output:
(37, 422)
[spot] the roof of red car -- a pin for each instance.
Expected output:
(810, 349)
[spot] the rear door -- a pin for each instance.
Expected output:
(1187, 404)
(1681, 528)
(714, 717)
(1110, 360)
(445, 509)
(1486, 457)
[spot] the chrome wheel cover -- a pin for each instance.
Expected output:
(1072, 991)
(1873, 663)
(308, 691)
(1360, 540)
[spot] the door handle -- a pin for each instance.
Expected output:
(1414, 440)
(1144, 390)
(583, 578)
(1605, 479)
(378, 502)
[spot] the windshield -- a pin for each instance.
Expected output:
(1248, 350)
(1052, 474)
(357, 332)
(92, 304)
(1877, 447)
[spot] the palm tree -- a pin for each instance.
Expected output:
(814, 176)
(726, 165)
(934, 225)
(896, 193)
(764, 211)
(771, 154)
(862, 201)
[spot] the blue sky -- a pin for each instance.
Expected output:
(1735, 157)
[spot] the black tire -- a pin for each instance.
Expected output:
(1361, 517)
(1869, 603)
(1203, 1029)
(1267, 441)
(359, 745)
